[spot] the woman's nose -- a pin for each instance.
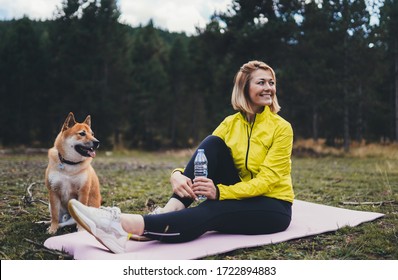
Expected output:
(266, 86)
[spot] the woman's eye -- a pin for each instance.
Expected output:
(271, 83)
(83, 133)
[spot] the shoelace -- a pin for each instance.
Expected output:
(113, 211)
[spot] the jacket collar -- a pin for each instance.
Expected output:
(259, 117)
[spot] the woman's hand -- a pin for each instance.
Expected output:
(182, 185)
(204, 186)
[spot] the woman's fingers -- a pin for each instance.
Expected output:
(182, 185)
(204, 186)
(186, 191)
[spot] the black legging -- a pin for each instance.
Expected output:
(221, 168)
(258, 215)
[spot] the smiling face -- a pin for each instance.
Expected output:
(254, 88)
(262, 89)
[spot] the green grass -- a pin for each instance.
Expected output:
(129, 179)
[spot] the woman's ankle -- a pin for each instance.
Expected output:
(173, 205)
(132, 223)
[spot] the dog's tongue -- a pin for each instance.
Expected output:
(91, 153)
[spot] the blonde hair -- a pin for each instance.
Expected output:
(240, 93)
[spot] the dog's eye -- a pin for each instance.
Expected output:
(83, 133)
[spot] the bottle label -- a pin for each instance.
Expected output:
(200, 170)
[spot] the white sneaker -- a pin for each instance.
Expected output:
(103, 223)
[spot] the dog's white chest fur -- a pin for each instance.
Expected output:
(61, 181)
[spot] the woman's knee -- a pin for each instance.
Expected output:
(214, 145)
(212, 141)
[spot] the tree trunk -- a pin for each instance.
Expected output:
(173, 125)
(360, 117)
(346, 125)
(346, 116)
(396, 89)
(315, 124)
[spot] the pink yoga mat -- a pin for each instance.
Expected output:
(308, 219)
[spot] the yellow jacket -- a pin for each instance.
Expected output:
(262, 155)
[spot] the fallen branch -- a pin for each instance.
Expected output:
(52, 252)
(28, 198)
(373, 203)
(4, 256)
(43, 222)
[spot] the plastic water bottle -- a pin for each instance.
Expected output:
(200, 167)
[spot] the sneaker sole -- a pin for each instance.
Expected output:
(88, 229)
(72, 212)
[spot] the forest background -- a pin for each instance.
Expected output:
(147, 88)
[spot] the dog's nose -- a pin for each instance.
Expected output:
(96, 144)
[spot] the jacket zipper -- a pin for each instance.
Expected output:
(249, 135)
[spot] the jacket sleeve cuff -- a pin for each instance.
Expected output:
(178, 170)
(217, 193)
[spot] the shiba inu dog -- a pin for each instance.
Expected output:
(69, 173)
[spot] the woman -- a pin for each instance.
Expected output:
(248, 188)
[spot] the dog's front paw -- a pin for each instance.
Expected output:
(52, 229)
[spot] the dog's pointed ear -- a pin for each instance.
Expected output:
(88, 120)
(69, 122)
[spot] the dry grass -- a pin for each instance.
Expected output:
(309, 147)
